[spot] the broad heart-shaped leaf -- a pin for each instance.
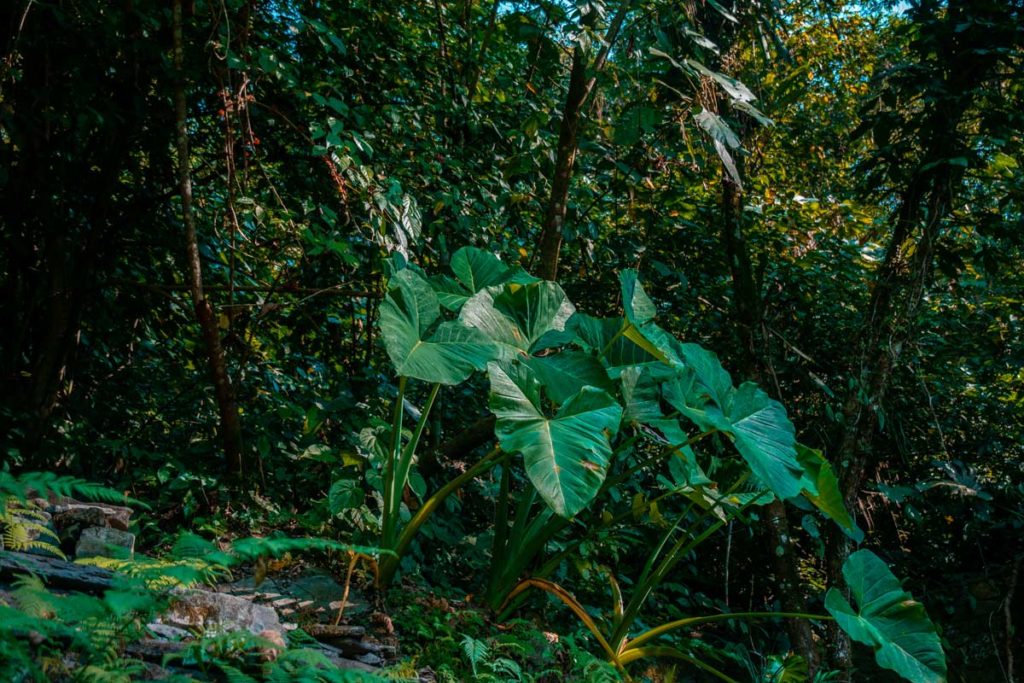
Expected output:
(638, 307)
(703, 392)
(711, 377)
(407, 314)
(476, 269)
(450, 292)
(566, 456)
(641, 397)
(603, 337)
(888, 619)
(564, 374)
(758, 425)
(818, 475)
(517, 316)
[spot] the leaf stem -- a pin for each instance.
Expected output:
(389, 565)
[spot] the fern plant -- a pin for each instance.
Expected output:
(46, 636)
(487, 664)
(24, 527)
(48, 484)
(22, 518)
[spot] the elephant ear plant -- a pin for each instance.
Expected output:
(578, 398)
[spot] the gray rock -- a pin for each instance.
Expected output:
(210, 611)
(168, 632)
(56, 573)
(71, 513)
(370, 659)
(105, 542)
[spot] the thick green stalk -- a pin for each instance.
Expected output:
(389, 564)
(678, 551)
(693, 621)
(405, 462)
(499, 548)
(524, 552)
(388, 521)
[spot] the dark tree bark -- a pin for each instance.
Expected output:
(230, 424)
(748, 306)
(901, 281)
(580, 87)
(897, 292)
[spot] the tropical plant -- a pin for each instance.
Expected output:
(889, 620)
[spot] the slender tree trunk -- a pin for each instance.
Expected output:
(749, 313)
(580, 88)
(230, 424)
(897, 292)
(902, 279)
(565, 159)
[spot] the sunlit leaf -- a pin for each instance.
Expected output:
(448, 355)
(566, 456)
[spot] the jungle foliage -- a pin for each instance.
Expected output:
(657, 340)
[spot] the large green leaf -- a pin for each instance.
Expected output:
(604, 337)
(520, 318)
(567, 455)
(564, 374)
(638, 307)
(765, 438)
(640, 395)
(758, 425)
(818, 475)
(703, 392)
(474, 270)
(889, 620)
(711, 377)
(407, 315)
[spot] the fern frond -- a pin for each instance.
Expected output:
(248, 549)
(162, 574)
(45, 546)
(46, 484)
(235, 675)
(38, 528)
(476, 651)
(506, 669)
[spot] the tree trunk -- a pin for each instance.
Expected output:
(565, 159)
(749, 311)
(230, 424)
(897, 292)
(580, 88)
